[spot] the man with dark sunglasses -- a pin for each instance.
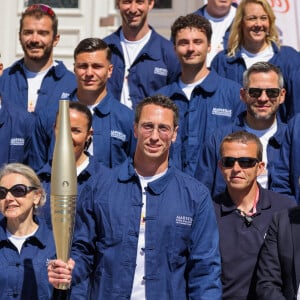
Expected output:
(243, 212)
(263, 93)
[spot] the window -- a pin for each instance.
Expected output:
(163, 4)
(56, 3)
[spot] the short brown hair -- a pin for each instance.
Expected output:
(38, 13)
(158, 100)
(191, 21)
(243, 137)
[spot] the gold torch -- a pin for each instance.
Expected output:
(63, 186)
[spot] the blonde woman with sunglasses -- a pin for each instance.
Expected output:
(25, 242)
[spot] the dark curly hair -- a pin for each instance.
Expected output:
(191, 21)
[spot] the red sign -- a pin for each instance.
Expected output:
(280, 6)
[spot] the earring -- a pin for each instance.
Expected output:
(87, 144)
(36, 206)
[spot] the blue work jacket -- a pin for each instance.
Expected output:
(16, 127)
(214, 103)
(57, 83)
(285, 58)
(241, 240)
(89, 173)
(200, 12)
(287, 166)
(155, 66)
(181, 249)
(113, 137)
(207, 170)
(24, 275)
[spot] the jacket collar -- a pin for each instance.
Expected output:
(150, 49)
(276, 140)
(127, 173)
(58, 71)
(238, 54)
(103, 108)
(38, 238)
(227, 205)
(208, 86)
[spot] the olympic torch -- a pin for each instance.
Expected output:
(63, 186)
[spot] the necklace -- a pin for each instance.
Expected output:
(248, 216)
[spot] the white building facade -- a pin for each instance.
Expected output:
(80, 19)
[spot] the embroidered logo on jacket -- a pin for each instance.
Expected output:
(118, 135)
(161, 71)
(184, 220)
(221, 112)
(64, 95)
(17, 142)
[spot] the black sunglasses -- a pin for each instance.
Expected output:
(45, 8)
(244, 162)
(256, 92)
(18, 190)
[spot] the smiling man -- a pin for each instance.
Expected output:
(220, 14)
(143, 60)
(205, 100)
(36, 82)
(151, 229)
(113, 140)
(243, 212)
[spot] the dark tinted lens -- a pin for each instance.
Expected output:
(18, 190)
(244, 162)
(3, 192)
(247, 162)
(256, 92)
(228, 162)
(272, 93)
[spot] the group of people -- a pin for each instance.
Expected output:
(186, 158)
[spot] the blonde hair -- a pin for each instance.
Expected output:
(236, 33)
(29, 174)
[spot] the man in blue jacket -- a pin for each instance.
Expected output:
(244, 211)
(143, 60)
(205, 100)
(150, 232)
(113, 140)
(36, 82)
(259, 118)
(220, 15)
